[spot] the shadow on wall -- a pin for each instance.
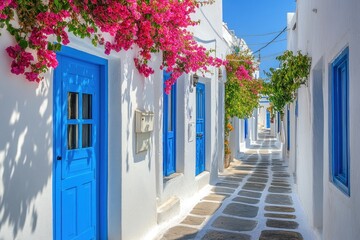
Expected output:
(137, 93)
(215, 155)
(25, 153)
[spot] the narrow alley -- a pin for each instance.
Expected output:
(253, 199)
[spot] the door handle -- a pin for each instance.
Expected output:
(58, 158)
(199, 135)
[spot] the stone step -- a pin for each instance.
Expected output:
(168, 209)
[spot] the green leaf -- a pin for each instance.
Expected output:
(57, 4)
(57, 47)
(50, 46)
(23, 44)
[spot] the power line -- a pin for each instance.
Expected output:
(271, 41)
(254, 44)
(260, 35)
(271, 56)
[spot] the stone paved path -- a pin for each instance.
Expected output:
(254, 199)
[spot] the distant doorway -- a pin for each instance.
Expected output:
(200, 128)
(267, 119)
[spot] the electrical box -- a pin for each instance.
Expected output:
(144, 121)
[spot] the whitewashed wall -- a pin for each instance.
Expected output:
(25, 153)
(138, 170)
(324, 29)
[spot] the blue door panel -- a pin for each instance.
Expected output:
(288, 129)
(245, 128)
(78, 140)
(170, 167)
(68, 209)
(169, 133)
(200, 128)
(267, 119)
(85, 206)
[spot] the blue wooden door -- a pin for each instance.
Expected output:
(288, 129)
(77, 148)
(267, 119)
(200, 128)
(169, 135)
(246, 128)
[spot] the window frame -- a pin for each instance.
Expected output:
(340, 154)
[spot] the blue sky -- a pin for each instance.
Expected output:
(258, 17)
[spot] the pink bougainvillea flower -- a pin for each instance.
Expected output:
(153, 26)
(242, 73)
(32, 76)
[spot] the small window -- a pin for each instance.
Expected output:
(86, 135)
(87, 106)
(72, 136)
(73, 105)
(340, 126)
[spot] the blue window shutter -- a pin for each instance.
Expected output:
(339, 115)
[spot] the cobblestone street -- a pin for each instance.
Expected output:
(254, 199)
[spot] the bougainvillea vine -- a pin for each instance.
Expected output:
(152, 25)
(241, 90)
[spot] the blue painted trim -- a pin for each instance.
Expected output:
(245, 128)
(173, 108)
(103, 124)
(103, 171)
(204, 136)
(288, 129)
(340, 151)
(57, 149)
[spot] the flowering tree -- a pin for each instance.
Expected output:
(285, 81)
(152, 25)
(241, 90)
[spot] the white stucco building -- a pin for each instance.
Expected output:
(51, 132)
(323, 152)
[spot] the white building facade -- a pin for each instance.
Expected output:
(51, 133)
(323, 152)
